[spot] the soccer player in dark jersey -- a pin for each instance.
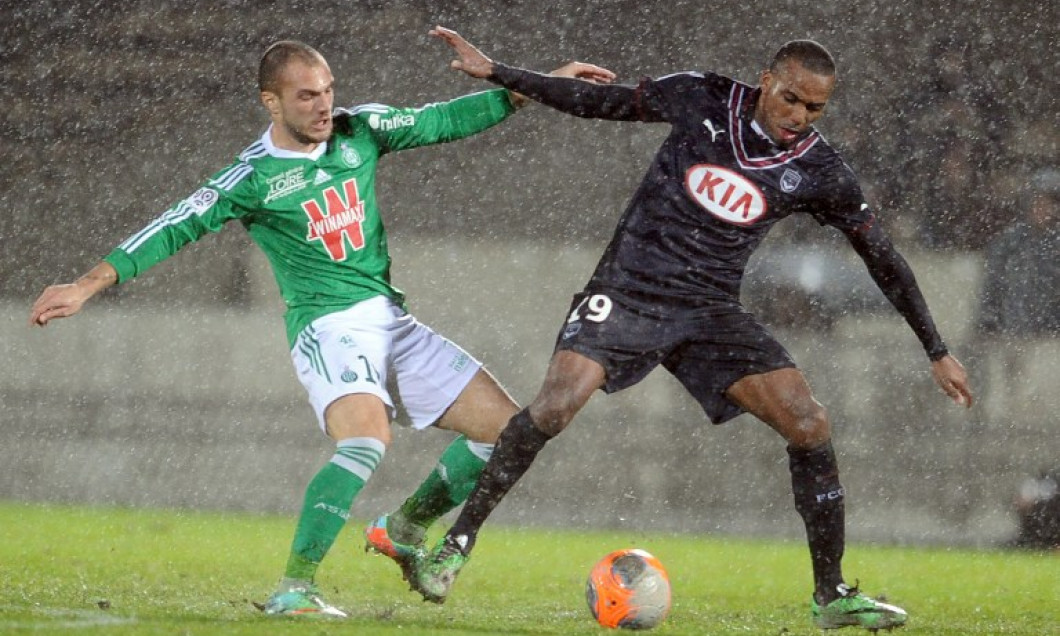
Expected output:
(666, 291)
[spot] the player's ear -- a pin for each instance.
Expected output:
(765, 79)
(271, 101)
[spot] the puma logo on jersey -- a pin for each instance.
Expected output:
(714, 132)
(339, 223)
(727, 195)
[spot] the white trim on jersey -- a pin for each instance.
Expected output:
(172, 216)
(182, 209)
(253, 151)
(737, 94)
(368, 108)
(283, 153)
(228, 180)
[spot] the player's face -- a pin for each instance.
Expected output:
(301, 113)
(792, 99)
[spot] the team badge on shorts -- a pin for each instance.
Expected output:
(571, 330)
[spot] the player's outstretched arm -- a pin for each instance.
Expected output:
(953, 380)
(475, 63)
(584, 71)
(62, 301)
(895, 278)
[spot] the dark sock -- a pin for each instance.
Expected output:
(516, 449)
(819, 500)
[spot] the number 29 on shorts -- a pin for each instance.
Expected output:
(596, 307)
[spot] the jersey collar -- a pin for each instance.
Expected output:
(741, 110)
(283, 153)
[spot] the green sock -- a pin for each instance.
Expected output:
(327, 503)
(445, 488)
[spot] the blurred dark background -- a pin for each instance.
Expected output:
(113, 111)
(180, 382)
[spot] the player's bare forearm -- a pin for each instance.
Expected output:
(951, 377)
(62, 301)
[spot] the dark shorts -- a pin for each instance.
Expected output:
(706, 348)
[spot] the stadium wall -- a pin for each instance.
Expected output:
(149, 399)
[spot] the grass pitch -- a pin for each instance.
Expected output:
(118, 571)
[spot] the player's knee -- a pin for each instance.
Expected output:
(809, 427)
(552, 414)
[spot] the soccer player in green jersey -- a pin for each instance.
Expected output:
(305, 192)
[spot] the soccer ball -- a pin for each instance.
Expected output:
(628, 589)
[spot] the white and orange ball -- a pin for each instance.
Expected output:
(628, 589)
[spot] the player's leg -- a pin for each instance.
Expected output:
(360, 426)
(440, 385)
(569, 383)
(782, 398)
(479, 414)
(341, 359)
(607, 342)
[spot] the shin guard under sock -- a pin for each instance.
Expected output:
(819, 500)
(445, 488)
(327, 503)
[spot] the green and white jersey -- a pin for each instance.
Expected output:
(314, 215)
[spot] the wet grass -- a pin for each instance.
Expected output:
(117, 571)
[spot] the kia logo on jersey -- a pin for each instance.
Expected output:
(726, 194)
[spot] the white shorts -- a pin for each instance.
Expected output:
(361, 349)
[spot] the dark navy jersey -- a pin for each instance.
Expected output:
(713, 191)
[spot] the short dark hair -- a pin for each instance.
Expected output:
(277, 56)
(810, 54)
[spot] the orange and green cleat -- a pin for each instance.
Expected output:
(409, 557)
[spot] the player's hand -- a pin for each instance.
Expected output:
(471, 61)
(574, 70)
(953, 380)
(57, 301)
(62, 301)
(588, 72)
